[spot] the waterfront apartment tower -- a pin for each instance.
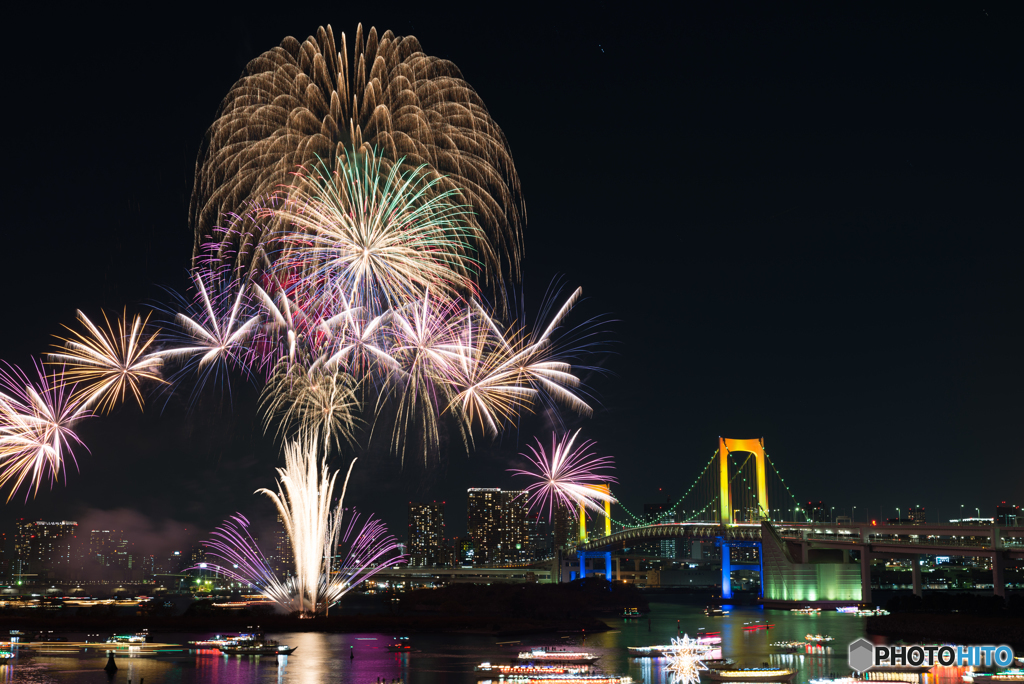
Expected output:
(484, 523)
(426, 534)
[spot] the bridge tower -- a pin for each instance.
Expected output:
(607, 555)
(726, 446)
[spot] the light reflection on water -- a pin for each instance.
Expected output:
(450, 658)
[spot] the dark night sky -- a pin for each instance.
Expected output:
(805, 221)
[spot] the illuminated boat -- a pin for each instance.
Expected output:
(256, 646)
(789, 646)
(869, 612)
(1014, 674)
(819, 639)
(584, 678)
(707, 643)
(494, 670)
(632, 613)
(217, 641)
(808, 610)
(137, 638)
(897, 673)
(544, 655)
(6, 655)
(715, 611)
(752, 674)
(401, 645)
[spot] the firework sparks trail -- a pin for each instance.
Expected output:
(303, 498)
(385, 237)
(244, 562)
(426, 347)
(319, 401)
(356, 342)
(36, 428)
(323, 98)
(105, 364)
(567, 476)
(213, 331)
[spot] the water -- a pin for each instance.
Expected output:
(449, 658)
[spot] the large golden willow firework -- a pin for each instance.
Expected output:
(317, 99)
(36, 428)
(108, 363)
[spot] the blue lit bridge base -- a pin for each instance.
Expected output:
(607, 555)
(727, 566)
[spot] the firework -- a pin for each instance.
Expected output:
(684, 660)
(356, 341)
(317, 401)
(425, 347)
(385, 237)
(567, 476)
(503, 370)
(36, 428)
(108, 363)
(214, 329)
(245, 563)
(300, 102)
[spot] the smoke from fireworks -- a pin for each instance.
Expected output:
(36, 427)
(567, 476)
(108, 363)
(300, 102)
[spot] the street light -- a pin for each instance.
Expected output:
(833, 515)
(854, 516)
(961, 514)
(978, 511)
(897, 515)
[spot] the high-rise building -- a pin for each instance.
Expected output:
(50, 546)
(915, 514)
(426, 534)
(656, 513)
(1009, 515)
(514, 534)
(281, 558)
(816, 511)
(484, 523)
(464, 551)
(563, 531)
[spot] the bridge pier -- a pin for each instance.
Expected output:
(915, 573)
(583, 555)
(998, 585)
(726, 570)
(865, 574)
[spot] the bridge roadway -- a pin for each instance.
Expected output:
(932, 539)
(872, 541)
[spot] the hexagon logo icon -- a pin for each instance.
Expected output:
(860, 655)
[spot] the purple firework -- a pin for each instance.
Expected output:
(567, 476)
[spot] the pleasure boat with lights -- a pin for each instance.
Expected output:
(545, 655)
(819, 638)
(494, 670)
(632, 613)
(752, 674)
(256, 646)
(558, 679)
(808, 610)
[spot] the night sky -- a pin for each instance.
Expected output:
(805, 224)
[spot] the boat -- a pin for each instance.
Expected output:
(789, 646)
(6, 655)
(819, 639)
(868, 612)
(256, 646)
(808, 610)
(663, 650)
(546, 655)
(1013, 674)
(491, 670)
(584, 678)
(715, 611)
(137, 638)
(399, 648)
(752, 674)
(215, 642)
(632, 613)
(895, 673)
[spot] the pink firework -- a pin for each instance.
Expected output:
(568, 476)
(36, 421)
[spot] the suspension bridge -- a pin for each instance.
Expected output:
(739, 500)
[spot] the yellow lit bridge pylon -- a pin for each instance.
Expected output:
(725, 448)
(606, 555)
(604, 489)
